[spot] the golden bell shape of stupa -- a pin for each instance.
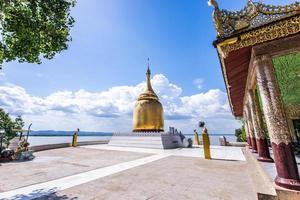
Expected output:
(148, 114)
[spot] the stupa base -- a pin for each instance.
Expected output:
(148, 140)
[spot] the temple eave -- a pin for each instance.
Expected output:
(235, 53)
(268, 32)
(235, 71)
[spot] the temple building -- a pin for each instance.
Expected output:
(148, 114)
(259, 52)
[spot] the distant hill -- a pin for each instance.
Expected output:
(66, 133)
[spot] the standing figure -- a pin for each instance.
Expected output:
(205, 139)
(196, 138)
(74, 139)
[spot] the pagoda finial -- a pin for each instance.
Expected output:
(148, 75)
(148, 69)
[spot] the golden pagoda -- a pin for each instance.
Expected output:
(148, 111)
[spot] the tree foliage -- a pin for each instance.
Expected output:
(9, 126)
(241, 134)
(19, 123)
(31, 29)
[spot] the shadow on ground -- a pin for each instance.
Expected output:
(54, 196)
(43, 195)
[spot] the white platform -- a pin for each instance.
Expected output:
(146, 140)
(217, 152)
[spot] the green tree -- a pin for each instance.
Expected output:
(241, 134)
(31, 29)
(8, 125)
(19, 124)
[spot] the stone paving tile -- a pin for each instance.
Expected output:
(173, 177)
(217, 152)
(57, 163)
(182, 175)
(37, 190)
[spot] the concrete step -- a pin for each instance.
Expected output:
(140, 142)
(137, 145)
(135, 139)
(153, 142)
(130, 142)
(284, 194)
(135, 142)
(146, 140)
(262, 183)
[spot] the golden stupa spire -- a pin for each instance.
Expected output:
(148, 80)
(148, 111)
(148, 91)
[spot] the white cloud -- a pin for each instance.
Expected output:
(111, 110)
(199, 83)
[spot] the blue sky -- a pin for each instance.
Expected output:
(112, 40)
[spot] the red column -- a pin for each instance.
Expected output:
(261, 140)
(287, 171)
(251, 130)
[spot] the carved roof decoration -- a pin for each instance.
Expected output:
(242, 33)
(252, 16)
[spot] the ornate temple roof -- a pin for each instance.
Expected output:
(239, 32)
(252, 16)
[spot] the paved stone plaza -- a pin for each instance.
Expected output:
(105, 172)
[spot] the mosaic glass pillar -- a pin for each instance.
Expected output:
(247, 131)
(261, 140)
(287, 171)
(251, 130)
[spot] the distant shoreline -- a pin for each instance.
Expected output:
(57, 135)
(52, 133)
(101, 134)
(36, 140)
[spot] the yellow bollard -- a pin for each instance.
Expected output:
(206, 144)
(74, 139)
(196, 138)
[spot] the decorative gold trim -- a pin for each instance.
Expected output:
(226, 82)
(228, 42)
(253, 15)
(217, 17)
(275, 31)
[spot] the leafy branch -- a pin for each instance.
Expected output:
(32, 29)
